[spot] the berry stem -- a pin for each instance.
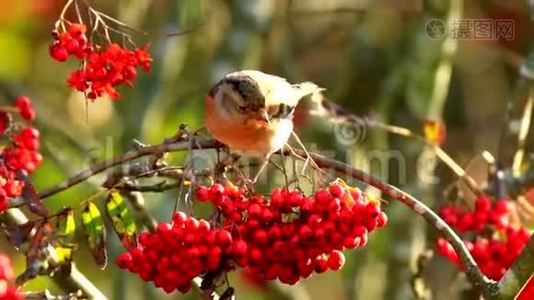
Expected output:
(64, 10)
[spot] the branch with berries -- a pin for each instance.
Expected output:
(107, 54)
(155, 152)
(474, 273)
(287, 234)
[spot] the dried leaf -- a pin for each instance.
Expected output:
(66, 227)
(38, 255)
(96, 233)
(525, 208)
(5, 122)
(123, 222)
(435, 132)
(228, 294)
(30, 197)
(18, 234)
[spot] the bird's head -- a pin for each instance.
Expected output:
(240, 97)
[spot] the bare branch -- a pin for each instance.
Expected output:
(126, 157)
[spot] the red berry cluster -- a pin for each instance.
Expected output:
(25, 107)
(494, 242)
(104, 69)
(70, 42)
(486, 214)
(7, 291)
(288, 237)
(21, 154)
(178, 252)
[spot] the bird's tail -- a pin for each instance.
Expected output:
(321, 106)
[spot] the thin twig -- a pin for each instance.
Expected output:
(128, 156)
(118, 22)
(339, 115)
(155, 188)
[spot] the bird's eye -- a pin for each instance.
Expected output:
(242, 108)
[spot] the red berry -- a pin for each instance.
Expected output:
(483, 203)
(202, 193)
(321, 265)
(223, 238)
(192, 224)
(322, 196)
(203, 226)
(216, 189)
(59, 53)
(164, 228)
(76, 29)
(239, 248)
(254, 211)
(179, 218)
(337, 190)
(382, 219)
(124, 260)
(336, 260)
(72, 46)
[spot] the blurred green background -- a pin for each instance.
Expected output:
(377, 58)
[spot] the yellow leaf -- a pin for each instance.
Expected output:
(435, 132)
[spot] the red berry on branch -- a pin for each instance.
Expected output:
(223, 238)
(59, 53)
(494, 253)
(25, 107)
(336, 260)
(72, 46)
(124, 261)
(382, 219)
(337, 190)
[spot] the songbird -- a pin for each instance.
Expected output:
(252, 112)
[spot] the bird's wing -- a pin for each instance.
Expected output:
(308, 89)
(282, 95)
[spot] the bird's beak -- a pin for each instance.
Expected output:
(263, 116)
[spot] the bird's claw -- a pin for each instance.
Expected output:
(249, 184)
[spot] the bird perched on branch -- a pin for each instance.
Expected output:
(252, 112)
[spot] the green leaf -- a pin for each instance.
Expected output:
(66, 227)
(123, 222)
(96, 233)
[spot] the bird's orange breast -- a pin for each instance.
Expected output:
(250, 137)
